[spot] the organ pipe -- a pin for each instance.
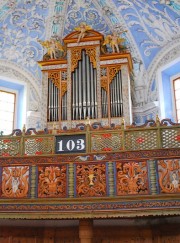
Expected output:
(53, 102)
(64, 107)
(84, 88)
(116, 99)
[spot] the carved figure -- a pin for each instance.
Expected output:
(114, 41)
(168, 175)
(174, 181)
(15, 181)
(91, 180)
(82, 28)
(52, 47)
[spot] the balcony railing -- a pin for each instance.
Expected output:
(98, 139)
(119, 169)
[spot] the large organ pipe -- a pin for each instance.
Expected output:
(73, 97)
(53, 102)
(104, 102)
(116, 96)
(49, 100)
(92, 91)
(64, 107)
(84, 88)
(88, 87)
(79, 91)
(76, 96)
(95, 92)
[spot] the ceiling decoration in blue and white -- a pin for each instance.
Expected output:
(150, 26)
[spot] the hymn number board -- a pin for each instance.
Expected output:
(71, 144)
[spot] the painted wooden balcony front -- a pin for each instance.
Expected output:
(91, 171)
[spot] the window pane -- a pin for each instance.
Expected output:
(178, 104)
(7, 104)
(177, 84)
(177, 93)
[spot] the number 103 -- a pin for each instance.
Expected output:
(71, 145)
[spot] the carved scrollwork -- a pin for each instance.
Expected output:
(132, 178)
(76, 56)
(91, 52)
(104, 83)
(91, 180)
(55, 77)
(63, 88)
(113, 71)
(52, 181)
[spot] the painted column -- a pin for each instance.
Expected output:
(127, 106)
(44, 100)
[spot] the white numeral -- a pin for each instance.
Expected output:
(80, 144)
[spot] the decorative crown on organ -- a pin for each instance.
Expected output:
(112, 43)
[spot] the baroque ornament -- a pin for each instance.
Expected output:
(15, 181)
(132, 178)
(52, 181)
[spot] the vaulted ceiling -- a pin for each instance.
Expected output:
(151, 27)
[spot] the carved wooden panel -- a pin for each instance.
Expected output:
(91, 180)
(169, 175)
(131, 178)
(52, 181)
(15, 181)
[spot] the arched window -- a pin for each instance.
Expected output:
(176, 85)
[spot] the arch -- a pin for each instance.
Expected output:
(165, 66)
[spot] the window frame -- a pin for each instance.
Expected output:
(173, 80)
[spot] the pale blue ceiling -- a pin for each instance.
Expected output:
(150, 26)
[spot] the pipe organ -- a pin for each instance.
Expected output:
(86, 82)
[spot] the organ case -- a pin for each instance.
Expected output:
(89, 82)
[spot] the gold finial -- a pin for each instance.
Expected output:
(88, 121)
(157, 120)
(24, 128)
(122, 123)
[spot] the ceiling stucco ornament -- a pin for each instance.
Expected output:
(20, 28)
(152, 25)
